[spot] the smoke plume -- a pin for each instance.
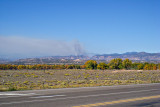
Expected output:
(30, 47)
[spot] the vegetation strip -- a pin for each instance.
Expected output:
(119, 101)
(90, 64)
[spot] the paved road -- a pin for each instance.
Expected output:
(144, 95)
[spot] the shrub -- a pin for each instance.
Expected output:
(12, 89)
(67, 74)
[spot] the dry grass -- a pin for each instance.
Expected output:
(25, 80)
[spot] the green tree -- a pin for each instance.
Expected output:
(91, 64)
(21, 67)
(135, 66)
(102, 66)
(77, 67)
(159, 66)
(69, 67)
(127, 64)
(154, 67)
(115, 63)
(147, 67)
(140, 66)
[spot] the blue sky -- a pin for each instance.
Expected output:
(99, 26)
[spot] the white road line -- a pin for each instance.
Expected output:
(17, 94)
(7, 95)
(48, 96)
(18, 102)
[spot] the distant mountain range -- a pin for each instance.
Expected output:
(134, 56)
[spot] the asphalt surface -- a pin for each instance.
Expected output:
(142, 95)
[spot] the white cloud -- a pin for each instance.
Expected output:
(27, 47)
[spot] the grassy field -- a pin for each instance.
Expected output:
(11, 80)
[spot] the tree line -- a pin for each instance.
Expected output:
(90, 64)
(121, 64)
